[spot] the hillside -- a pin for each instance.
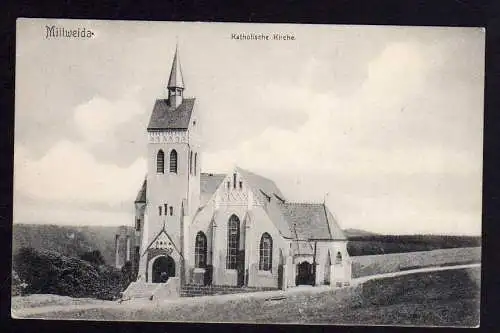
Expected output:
(67, 240)
(383, 244)
(72, 241)
(351, 232)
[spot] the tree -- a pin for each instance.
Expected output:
(94, 257)
(49, 272)
(126, 275)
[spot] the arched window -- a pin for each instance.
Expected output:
(233, 242)
(160, 162)
(191, 163)
(195, 162)
(200, 250)
(173, 161)
(338, 258)
(266, 252)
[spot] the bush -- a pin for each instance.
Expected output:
(48, 272)
(127, 275)
(94, 257)
(18, 285)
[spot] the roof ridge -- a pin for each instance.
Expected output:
(213, 173)
(304, 203)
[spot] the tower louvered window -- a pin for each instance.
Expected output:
(191, 163)
(160, 162)
(173, 161)
(195, 163)
(233, 242)
(266, 252)
(200, 250)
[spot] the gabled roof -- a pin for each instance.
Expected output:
(261, 184)
(278, 218)
(162, 231)
(141, 195)
(165, 116)
(311, 221)
(209, 182)
(302, 221)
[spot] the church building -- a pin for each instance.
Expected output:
(234, 229)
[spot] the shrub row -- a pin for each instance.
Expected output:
(49, 272)
(383, 244)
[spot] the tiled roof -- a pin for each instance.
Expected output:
(279, 220)
(301, 221)
(141, 195)
(261, 184)
(311, 221)
(165, 116)
(304, 248)
(209, 182)
(265, 189)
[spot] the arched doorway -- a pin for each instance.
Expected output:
(163, 268)
(304, 274)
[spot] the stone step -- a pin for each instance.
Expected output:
(140, 290)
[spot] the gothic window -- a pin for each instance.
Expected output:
(138, 225)
(191, 163)
(160, 162)
(173, 161)
(233, 241)
(234, 180)
(165, 206)
(266, 252)
(241, 185)
(171, 210)
(338, 258)
(159, 210)
(228, 185)
(195, 163)
(200, 250)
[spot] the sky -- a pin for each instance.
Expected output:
(383, 123)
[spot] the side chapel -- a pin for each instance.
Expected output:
(235, 229)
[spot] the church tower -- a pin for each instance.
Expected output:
(173, 179)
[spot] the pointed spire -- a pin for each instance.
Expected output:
(175, 80)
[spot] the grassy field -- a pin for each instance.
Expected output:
(387, 263)
(447, 298)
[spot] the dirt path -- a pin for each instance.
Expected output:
(410, 271)
(144, 303)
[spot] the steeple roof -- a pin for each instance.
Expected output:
(175, 80)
